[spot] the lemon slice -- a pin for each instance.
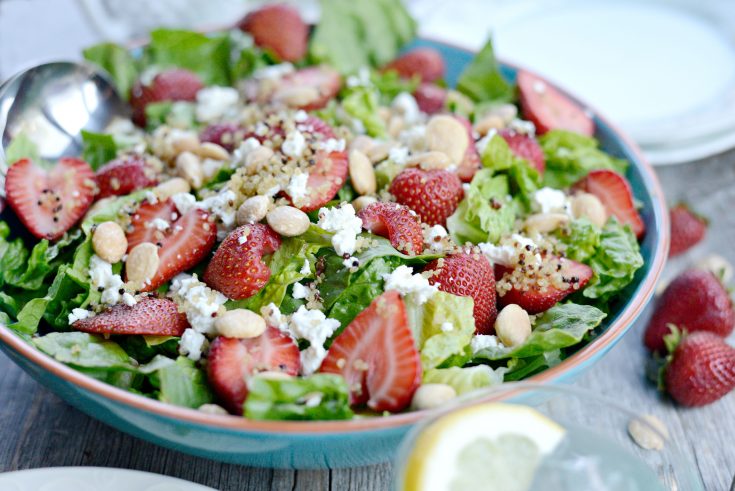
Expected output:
(492, 447)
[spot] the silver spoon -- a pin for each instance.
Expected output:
(52, 103)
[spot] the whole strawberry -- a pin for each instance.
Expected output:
(696, 301)
(433, 194)
(468, 275)
(701, 369)
(687, 229)
(278, 28)
(170, 85)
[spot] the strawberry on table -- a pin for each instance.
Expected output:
(124, 175)
(278, 28)
(397, 223)
(524, 290)
(695, 301)
(687, 229)
(425, 63)
(49, 202)
(377, 356)
(170, 85)
(526, 147)
(701, 369)
(231, 362)
(430, 97)
(151, 316)
(237, 268)
(433, 194)
(183, 241)
(548, 109)
(468, 275)
(613, 190)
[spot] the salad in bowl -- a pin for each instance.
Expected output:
(299, 225)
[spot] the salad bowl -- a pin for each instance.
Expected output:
(360, 441)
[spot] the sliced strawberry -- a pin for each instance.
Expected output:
(535, 299)
(425, 63)
(171, 85)
(615, 193)
(308, 89)
(237, 268)
(124, 175)
(433, 194)
(471, 162)
(182, 245)
(278, 28)
(49, 202)
(525, 147)
(396, 222)
(226, 135)
(430, 97)
(142, 222)
(232, 362)
(549, 109)
(151, 316)
(468, 275)
(377, 356)
(701, 370)
(687, 229)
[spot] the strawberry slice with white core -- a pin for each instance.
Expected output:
(183, 241)
(549, 109)
(151, 316)
(50, 202)
(377, 356)
(615, 193)
(308, 89)
(232, 362)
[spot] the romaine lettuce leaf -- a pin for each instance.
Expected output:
(362, 103)
(428, 320)
(81, 349)
(482, 81)
(321, 396)
(570, 156)
(523, 178)
(21, 147)
(581, 238)
(98, 148)
(381, 247)
(181, 383)
(614, 262)
(559, 327)
(118, 62)
(465, 380)
(520, 368)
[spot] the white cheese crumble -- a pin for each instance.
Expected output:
(351, 263)
(332, 145)
(522, 127)
(482, 143)
(405, 104)
(549, 200)
(158, 224)
(300, 116)
(192, 344)
(503, 254)
(434, 238)
(482, 341)
(100, 273)
(414, 137)
(273, 72)
(244, 149)
(214, 102)
(306, 268)
(184, 202)
(296, 188)
(345, 225)
(221, 205)
(273, 317)
(399, 155)
(79, 314)
(197, 301)
(300, 291)
(313, 326)
(405, 282)
(129, 299)
(294, 144)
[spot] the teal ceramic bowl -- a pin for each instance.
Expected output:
(342, 443)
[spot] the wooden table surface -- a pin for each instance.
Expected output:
(39, 430)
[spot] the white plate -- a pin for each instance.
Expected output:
(664, 70)
(92, 479)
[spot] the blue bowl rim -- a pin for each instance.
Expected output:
(596, 347)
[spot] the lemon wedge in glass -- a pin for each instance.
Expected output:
(487, 447)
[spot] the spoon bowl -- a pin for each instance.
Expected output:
(52, 103)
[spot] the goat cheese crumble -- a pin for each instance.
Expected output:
(405, 282)
(197, 301)
(345, 225)
(214, 102)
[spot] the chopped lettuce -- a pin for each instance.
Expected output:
(390, 84)
(465, 380)
(109, 209)
(381, 247)
(81, 349)
(98, 148)
(570, 156)
(181, 383)
(322, 396)
(581, 238)
(523, 178)
(442, 327)
(362, 103)
(118, 62)
(351, 35)
(482, 80)
(614, 262)
(520, 368)
(559, 327)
